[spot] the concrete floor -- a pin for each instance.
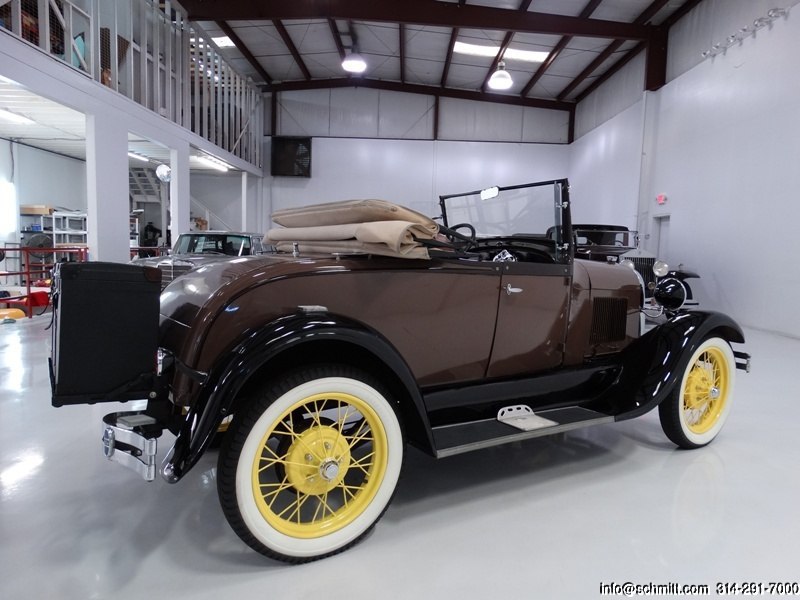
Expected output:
(549, 518)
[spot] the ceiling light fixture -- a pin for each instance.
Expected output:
(353, 62)
(501, 79)
(14, 117)
(534, 56)
(223, 42)
(138, 157)
(214, 163)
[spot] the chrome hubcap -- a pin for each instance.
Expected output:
(329, 469)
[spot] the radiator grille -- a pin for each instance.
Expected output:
(644, 266)
(608, 320)
(170, 271)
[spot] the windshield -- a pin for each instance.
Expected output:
(530, 209)
(216, 243)
(604, 237)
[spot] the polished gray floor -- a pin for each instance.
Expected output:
(549, 518)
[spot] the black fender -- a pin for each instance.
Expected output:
(655, 363)
(221, 386)
(683, 274)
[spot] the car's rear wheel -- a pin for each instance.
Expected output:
(695, 411)
(308, 468)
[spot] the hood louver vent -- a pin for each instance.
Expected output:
(608, 320)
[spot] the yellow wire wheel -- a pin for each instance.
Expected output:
(321, 463)
(316, 469)
(697, 409)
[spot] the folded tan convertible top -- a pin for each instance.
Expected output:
(352, 226)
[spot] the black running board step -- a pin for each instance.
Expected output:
(476, 435)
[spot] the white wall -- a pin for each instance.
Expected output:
(620, 92)
(727, 149)
(9, 214)
(711, 22)
(368, 113)
(47, 178)
(722, 141)
(32, 176)
(604, 171)
(413, 172)
(222, 194)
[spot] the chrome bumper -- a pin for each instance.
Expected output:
(742, 361)
(129, 438)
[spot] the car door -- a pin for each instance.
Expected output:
(532, 316)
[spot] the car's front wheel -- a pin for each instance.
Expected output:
(695, 411)
(310, 466)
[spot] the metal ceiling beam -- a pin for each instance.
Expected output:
(593, 66)
(655, 72)
(610, 72)
(669, 22)
(337, 37)
(558, 49)
(450, 47)
(413, 12)
(446, 68)
(496, 60)
(523, 8)
(292, 48)
(641, 20)
(428, 90)
(680, 13)
(228, 30)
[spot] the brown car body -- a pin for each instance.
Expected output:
(455, 339)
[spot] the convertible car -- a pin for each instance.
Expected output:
(615, 243)
(198, 248)
(374, 327)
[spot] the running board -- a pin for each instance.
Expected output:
(476, 435)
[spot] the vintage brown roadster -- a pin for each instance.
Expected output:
(373, 327)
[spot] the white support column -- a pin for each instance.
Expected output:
(107, 188)
(179, 198)
(646, 206)
(244, 201)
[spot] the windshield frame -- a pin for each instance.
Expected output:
(564, 243)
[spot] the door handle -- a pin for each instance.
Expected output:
(512, 290)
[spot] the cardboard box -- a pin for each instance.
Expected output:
(34, 209)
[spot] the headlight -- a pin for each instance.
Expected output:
(660, 268)
(670, 293)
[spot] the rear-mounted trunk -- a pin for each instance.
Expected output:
(105, 332)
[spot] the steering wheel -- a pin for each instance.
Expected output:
(457, 236)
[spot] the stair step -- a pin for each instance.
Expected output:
(466, 437)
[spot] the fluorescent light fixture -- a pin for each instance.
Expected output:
(500, 79)
(214, 163)
(476, 50)
(138, 157)
(14, 117)
(534, 56)
(354, 63)
(223, 42)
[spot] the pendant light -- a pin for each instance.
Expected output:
(501, 79)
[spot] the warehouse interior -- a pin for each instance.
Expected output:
(675, 118)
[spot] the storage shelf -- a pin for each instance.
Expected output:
(64, 229)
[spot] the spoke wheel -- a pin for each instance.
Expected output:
(312, 465)
(696, 410)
